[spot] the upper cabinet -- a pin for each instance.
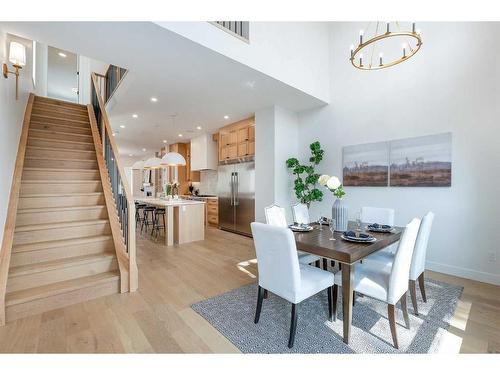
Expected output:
(203, 153)
(237, 140)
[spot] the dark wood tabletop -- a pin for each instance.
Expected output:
(318, 242)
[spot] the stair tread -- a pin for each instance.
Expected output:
(61, 287)
(57, 159)
(59, 209)
(59, 195)
(60, 118)
(59, 132)
(57, 140)
(58, 264)
(57, 182)
(44, 99)
(57, 149)
(60, 169)
(62, 224)
(59, 243)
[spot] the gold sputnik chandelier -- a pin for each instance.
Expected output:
(385, 38)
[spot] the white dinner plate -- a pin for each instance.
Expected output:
(350, 239)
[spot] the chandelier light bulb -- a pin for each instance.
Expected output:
(380, 56)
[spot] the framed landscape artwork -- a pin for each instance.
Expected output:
(366, 165)
(421, 161)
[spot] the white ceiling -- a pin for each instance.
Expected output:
(190, 81)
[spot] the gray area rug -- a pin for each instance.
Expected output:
(232, 314)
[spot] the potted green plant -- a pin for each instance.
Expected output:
(306, 177)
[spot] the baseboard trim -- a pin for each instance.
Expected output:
(466, 273)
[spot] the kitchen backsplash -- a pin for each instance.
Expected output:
(208, 182)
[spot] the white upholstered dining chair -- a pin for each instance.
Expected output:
(386, 284)
(275, 215)
(301, 213)
(281, 273)
(417, 267)
(371, 215)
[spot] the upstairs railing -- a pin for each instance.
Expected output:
(119, 185)
(108, 83)
(238, 28)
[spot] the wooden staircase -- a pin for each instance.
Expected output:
(63, 251)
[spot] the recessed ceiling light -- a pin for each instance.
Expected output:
(143, 150)
(114, 134)
(62, 54)
(226, 117)
(154, 100)
(180, 135)
(130, 155)
(198, 127)
(122, 126)
(164, 141)
(135, 115)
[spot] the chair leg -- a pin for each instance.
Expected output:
(391, 312)
(325, 264)
(422, 286)
(260, 297)
(404, 308)
(334, 302)
(332, 263)
(353, 298)
(265, 294)
(330, 306)
(413, 294)
(293, 325)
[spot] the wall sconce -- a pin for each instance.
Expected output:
(17, 56)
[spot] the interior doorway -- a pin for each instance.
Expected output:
(62, 75)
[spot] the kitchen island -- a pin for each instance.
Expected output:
(185, 219)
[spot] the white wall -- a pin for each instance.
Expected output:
(11, 119)
(41, 69)
(295, 53)
(451, 85)
(86, 66)
(276, 140)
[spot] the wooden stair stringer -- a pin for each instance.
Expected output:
(10, 222)
(116, 232)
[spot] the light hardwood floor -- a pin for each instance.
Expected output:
(158, 317)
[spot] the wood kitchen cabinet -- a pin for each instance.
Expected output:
(185, 175)
(237, 140)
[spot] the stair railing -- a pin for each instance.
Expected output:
(120, 190)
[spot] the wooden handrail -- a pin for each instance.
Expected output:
(106, 130)
(10, 221)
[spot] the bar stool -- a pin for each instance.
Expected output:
(138, 217)
(159, 212)
(148, 217)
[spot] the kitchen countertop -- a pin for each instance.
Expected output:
(164, 202)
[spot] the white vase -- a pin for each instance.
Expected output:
(340, 215)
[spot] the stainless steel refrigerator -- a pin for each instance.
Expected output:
(236, 191)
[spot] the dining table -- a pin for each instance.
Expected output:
(347, 253)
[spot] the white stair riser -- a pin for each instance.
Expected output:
(64, 233)
(52, 143)
(33, 280)
(60, 164)
(61, 300)
(62, 252)
(49, 217)
(61, 136)
(62, 201)
(34, 152)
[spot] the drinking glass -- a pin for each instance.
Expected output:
(332, 225)
(319, 222)
(358, 221)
